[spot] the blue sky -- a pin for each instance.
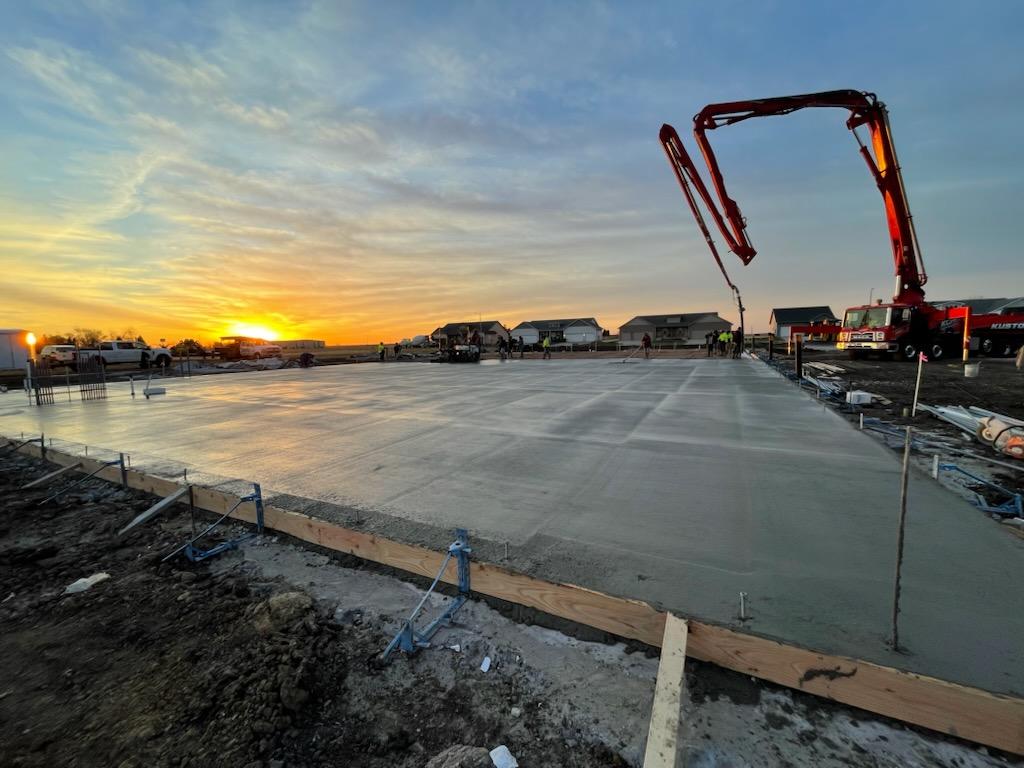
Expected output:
(356, 170)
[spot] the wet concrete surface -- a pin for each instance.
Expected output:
(679, 482)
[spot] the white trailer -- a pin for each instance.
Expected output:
(14, 349)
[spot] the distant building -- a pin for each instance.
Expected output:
(683, 328)
(489, 331)
(13, 348)
(784, 318)
(986, 306)
(301, 344)
(580, 330)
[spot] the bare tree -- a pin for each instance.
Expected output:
(88, 337)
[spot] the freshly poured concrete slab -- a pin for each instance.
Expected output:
(679, 482)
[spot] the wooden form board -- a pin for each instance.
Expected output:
(661, 750)
(969, 713)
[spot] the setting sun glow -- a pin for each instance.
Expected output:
(253, 331)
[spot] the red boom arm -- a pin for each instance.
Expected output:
(865, 109)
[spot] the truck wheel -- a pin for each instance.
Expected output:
(937, 351)
(986, 346)
(908, 351)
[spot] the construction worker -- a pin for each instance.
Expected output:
(723, 338)
(381, 350)
(645, 342)
(729, 345)
(398, 349)
(546, 344)
(522, 347)
(737, 343)
(709, 341)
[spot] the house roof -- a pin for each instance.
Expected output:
(680, 319)
(984, 306)
(792, 315)
(558, 325)
(484, 325)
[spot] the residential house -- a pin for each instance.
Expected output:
(986, 306)
(684, 329)
(301, 344)
(489, 330)
(784, 318)
(580, 330)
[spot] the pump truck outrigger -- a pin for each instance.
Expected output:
(909, 324)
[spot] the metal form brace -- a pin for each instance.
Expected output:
(1012, 507)
(118, 462)
(409, 639)
(195, 554)
(17, 446)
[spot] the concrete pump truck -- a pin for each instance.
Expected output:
(903, 328)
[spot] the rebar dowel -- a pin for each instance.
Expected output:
(904, 478)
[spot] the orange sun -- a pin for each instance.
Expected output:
(252, 330)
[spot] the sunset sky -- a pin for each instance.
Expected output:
(364, 171)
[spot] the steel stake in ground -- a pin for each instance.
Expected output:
(904, 477)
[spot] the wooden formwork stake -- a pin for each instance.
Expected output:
(663, 733)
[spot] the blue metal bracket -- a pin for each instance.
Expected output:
(1012, 507)
(409, 639)
(197, 554)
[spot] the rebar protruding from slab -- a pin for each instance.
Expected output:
(743, 606)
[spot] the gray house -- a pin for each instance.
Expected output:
(580, 330)
(489, 331)
(984, 306)
(685, 329)
(784, 318)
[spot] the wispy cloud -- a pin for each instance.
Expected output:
(354, 171)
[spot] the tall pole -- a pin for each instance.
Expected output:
(967, 332)
(917, 386)
(904, 477)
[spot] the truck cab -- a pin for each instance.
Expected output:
(118, 351)
(900, 330)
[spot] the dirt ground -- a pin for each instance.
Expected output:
(999, 388)
(180, 665)
(262, 657)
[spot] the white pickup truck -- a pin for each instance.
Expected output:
(117, 351)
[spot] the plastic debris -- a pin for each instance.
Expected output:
(502, 758)
(83, 584)
(485, 664)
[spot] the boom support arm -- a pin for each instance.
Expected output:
(865, 109)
